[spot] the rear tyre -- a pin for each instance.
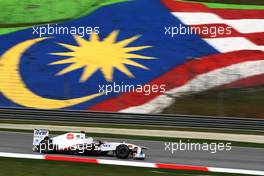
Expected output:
(122, 151)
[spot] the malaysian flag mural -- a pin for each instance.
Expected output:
(132, 56)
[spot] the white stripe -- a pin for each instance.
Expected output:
(233, 44)
(126, 163)
(241, 25)
(236, 171)
(200, 83)
(20, 155)
(220, 77)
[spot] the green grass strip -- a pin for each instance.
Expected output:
(16, 15)
(233, 6)
(242, 2)
(29, 167)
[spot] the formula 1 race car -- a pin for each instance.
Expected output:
(78, 143)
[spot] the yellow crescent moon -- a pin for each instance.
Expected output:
(14, 89)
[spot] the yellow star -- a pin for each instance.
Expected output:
(105, 55)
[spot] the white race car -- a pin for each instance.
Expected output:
(78, 143)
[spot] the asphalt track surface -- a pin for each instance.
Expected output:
(237, 158)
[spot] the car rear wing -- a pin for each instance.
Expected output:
(39, 135)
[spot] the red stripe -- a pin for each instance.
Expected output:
(178, 77)
(181, 167)
(256, 38)
(71, 159)
(176, 6)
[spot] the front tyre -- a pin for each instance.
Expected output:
(35, 148)
(122, 151)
